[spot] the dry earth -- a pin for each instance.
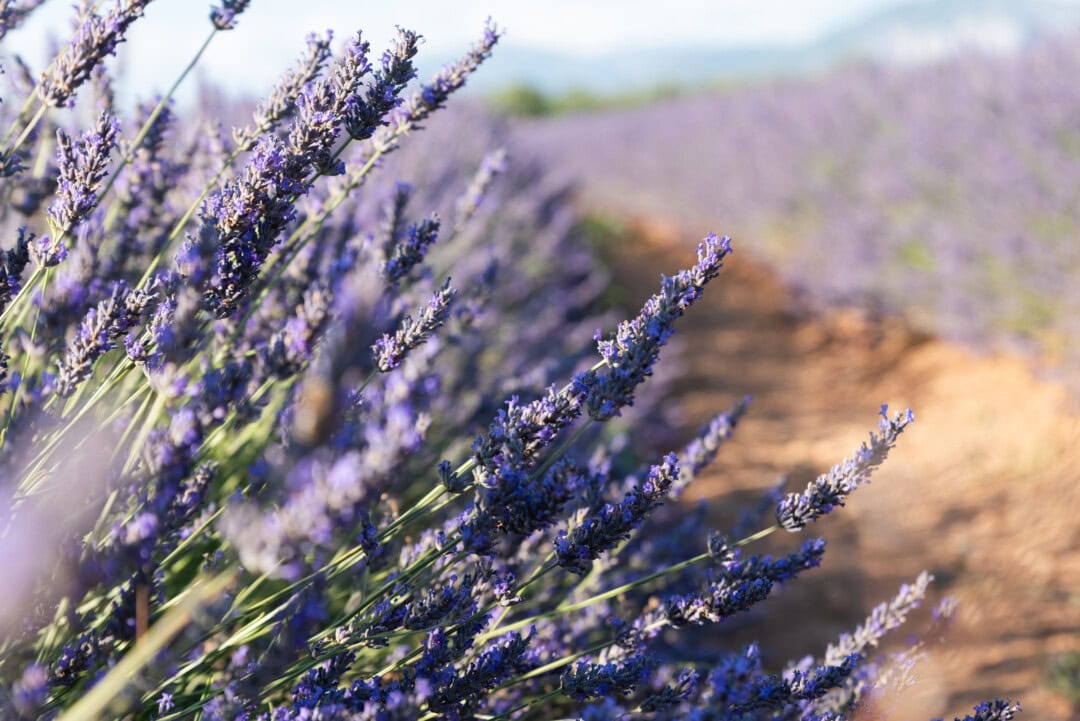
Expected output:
(983, 490)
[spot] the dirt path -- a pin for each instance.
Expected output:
(984, 489)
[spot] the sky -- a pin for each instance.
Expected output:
(271, 33)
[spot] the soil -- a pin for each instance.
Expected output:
(983, 490)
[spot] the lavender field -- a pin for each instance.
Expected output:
(947, 193)
(342, 403)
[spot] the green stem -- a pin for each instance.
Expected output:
(559, 611)
(37, 117)
(149, 123)
(25, 367)
(20, 117)
(95, 703)
(147, 428)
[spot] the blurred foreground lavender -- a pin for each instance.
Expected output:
(287, 437)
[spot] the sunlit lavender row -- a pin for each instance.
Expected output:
(323, 417)
(947, 192)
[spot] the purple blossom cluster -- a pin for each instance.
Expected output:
(236, 406)
(828, 490)
(96, 37)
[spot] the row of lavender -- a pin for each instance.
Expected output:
(949, 192)
(263, 457)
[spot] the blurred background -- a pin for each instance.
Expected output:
(902, 180)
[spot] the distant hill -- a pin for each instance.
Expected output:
(909, 32)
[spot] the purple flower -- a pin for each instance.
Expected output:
(96, 37)
(884, 618)
(519, 504)
(319, 687)
(500, 660)
(165, 703)
(12, 264)
(670, 695)
(830, 489)
(797, 687)
(142, 208)
(584, 681)
(722, 598)
(447, 603)
(519, 432)
(244, 220)
(701, 452)
(292, 346)
(75, 657)
(281, 102)
(223, 16)
(604, 529)
(996, 710)
(82, 168)
(366, 115)
(395, 216)
(12, 15)
(493, 165)
(433, 95)
(407, 252)
(98, 332)
(777, 570)
(635, 347)
(390, 350)
(31, 691)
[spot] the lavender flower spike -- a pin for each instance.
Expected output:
(405, 254)
(96, 38)
(635, 348)
(777, 692)
(390, 350)
(31, 691)
(604, 529)
(463, 691)
(293, 345)
(520, 432)
(670, 695)
(996, 710)
(434, 95)
(282, 99)
(584, 681)
(723, 598)
(702, 450)
(493, 165)
(383, 93)
(244, 219)
(98, 333)
(830, 489)
(82, 168)
(223, 17)
(884, 618)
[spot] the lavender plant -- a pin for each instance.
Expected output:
(264, 458)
